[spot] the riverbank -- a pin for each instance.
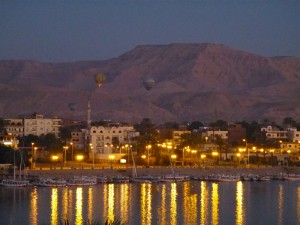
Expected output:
(188, 171)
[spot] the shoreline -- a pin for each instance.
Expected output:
(161, 171)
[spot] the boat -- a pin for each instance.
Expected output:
(120, 179)
(82, 181)
(14, 182)
(51, 182)
(292, 177)
(102, 179)
(175, 178)
(228, 178)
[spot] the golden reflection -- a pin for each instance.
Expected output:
(298, 204)
(204, 203)
(146, 216)
(240, 211)
(71, 197)
(34, 207)
(90, 204)
(65, 203)
(78, 217)
(54, 206)
(280, 204)
(105, 200)
(111, 201)
(189, 205)
(215, 204)
(124, 202)
(162, 210)
(173, 208)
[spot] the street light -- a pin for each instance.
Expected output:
(65, 158)
(148, 147)
(34, 158)
(72, 151)
(203, 156)
(93, 154)
(32, 144)
(79, 158)
(244, 140)
(238, 156)
(111, 158)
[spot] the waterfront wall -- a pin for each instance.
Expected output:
(66, 173)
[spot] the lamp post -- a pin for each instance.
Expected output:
(32, 144)
(72, 151)
(34, 157)
(203, 156)
(111, 158)
(93, 154)
(148, 147)
(79, 158)
(238, 156)
(65, 158)
(244, 140)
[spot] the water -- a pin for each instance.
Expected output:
(193, 202)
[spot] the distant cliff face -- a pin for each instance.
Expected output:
(193, 82)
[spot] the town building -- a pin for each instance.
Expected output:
(236, 134)
(176, 136)
(35, 125)
(114, 139)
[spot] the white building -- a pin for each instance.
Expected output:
(289, 134)
(38, 125)
(211, 134)
(15, 127)
(108, 140)
(35, 125)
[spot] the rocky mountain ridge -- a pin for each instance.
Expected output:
(193, 82)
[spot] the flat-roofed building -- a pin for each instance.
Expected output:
(107, 140)
(38, 125)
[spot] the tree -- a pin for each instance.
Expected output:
(220, 124)
(191, 139)
(195, 125)
(289, 121)
(2, 126)
(50, 142)
(65, 134)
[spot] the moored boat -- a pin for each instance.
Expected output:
(82, 181)
(14, 183)
(51, 182)
(175, 178)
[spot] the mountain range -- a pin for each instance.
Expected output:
(202, 82)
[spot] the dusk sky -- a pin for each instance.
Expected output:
(74, 30)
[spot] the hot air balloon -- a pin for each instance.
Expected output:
(72, 106)
(148, 84)
(99, 78)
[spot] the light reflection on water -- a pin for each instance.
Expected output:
(280, 205)
(215, 203)
(298, 203)
(164, 203)
(33, 207)
(204, 203)
(240, 210)
(54, 206)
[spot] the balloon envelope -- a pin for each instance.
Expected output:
(72, 106)
(99, 78)
(148, 84)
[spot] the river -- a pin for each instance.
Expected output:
(191, 202)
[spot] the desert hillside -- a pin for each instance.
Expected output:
(193, 82)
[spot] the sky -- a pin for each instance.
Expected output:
(76, 30)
